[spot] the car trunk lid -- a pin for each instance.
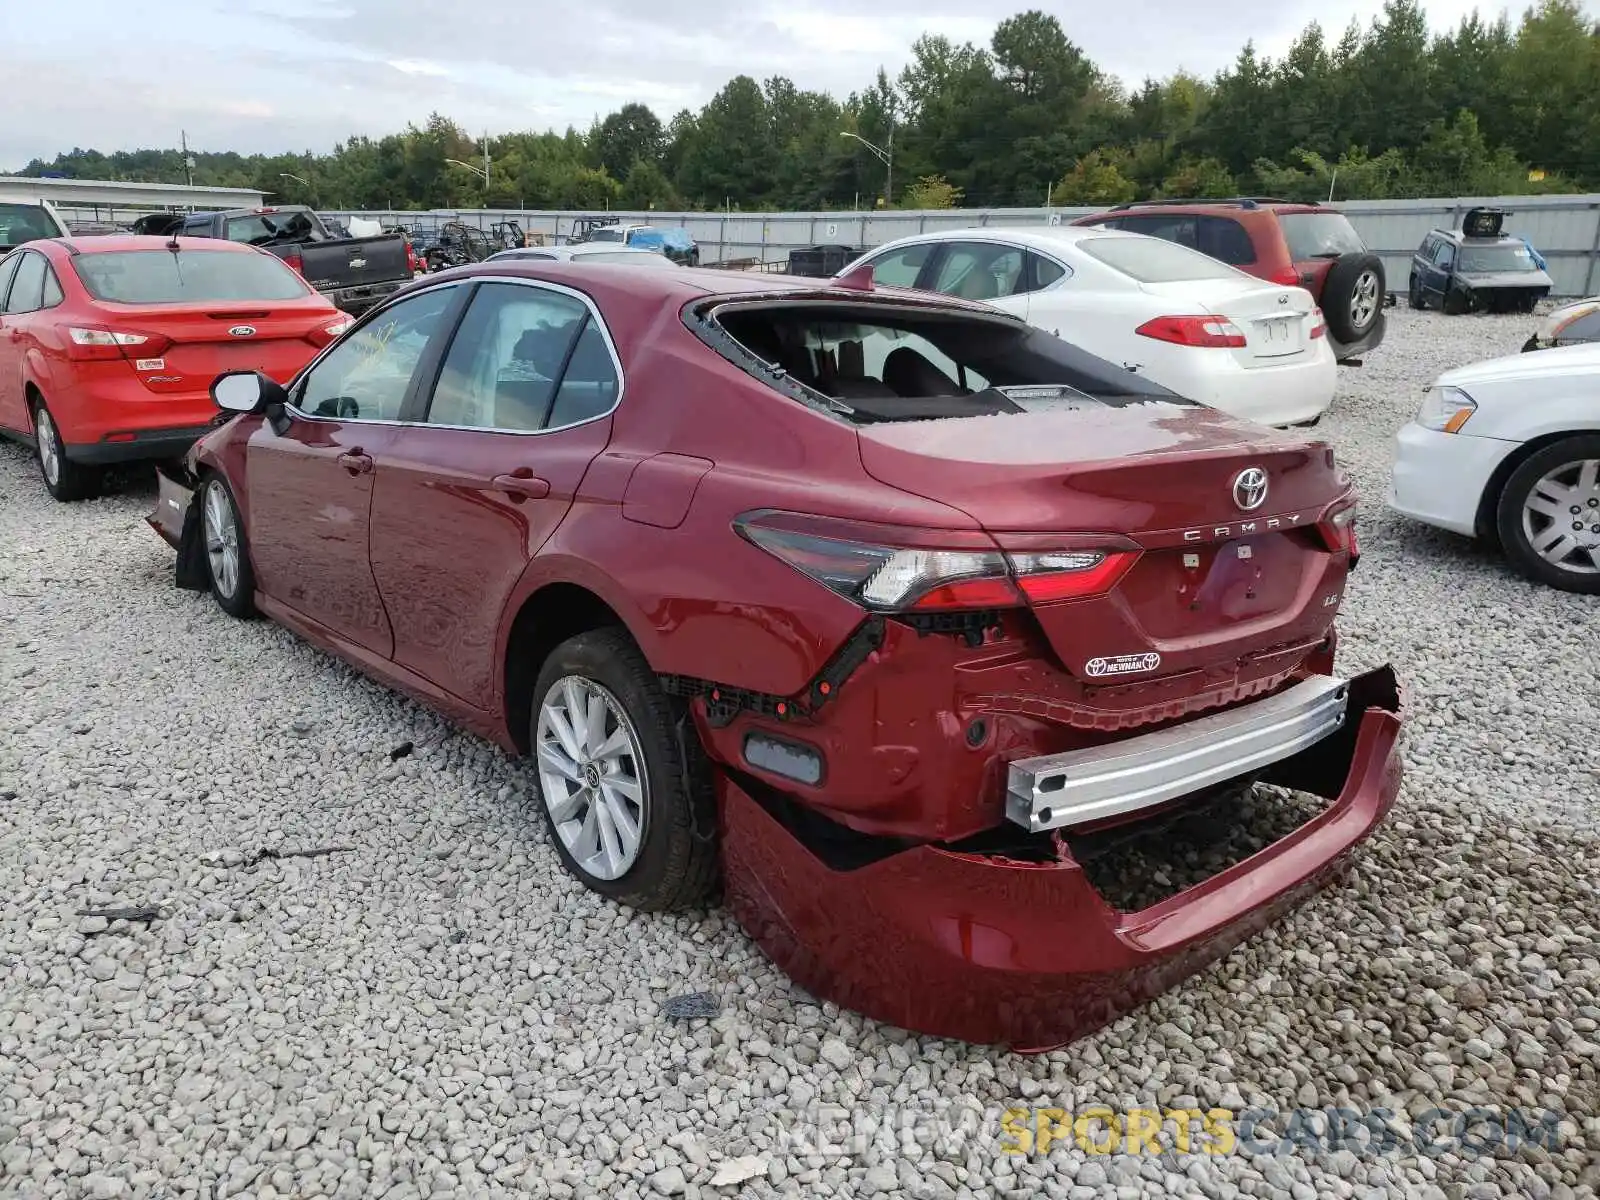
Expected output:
(197, 342)
(1227, 572)
(1276, 322)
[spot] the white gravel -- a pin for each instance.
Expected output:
(434, 1008)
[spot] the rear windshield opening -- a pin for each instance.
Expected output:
(1319, 235)
(186, 276)
(1154, 260)
(877, 363)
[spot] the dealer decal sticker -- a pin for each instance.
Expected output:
(150, 364)
(1123, 664)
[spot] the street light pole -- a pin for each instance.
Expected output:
(482, 174)
(305, 183)
(886, 157)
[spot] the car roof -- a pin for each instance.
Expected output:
(1037, 237)
(1235, 204)
(103, 243)
(621, 283)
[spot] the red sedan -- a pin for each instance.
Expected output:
(108, 345)
(880, 605)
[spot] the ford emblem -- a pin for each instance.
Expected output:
(242, 331)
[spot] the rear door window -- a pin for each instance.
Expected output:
(27, 289)
(900, 268)
(1169, 227)
(1226, 240)
(978, 270)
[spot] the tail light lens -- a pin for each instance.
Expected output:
(1319, 327)
(888, 578)
(1338, 530)
(90, 342)
(1287, 276)
(324, 335)
(296, 262)
(1208, 331)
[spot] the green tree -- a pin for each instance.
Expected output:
(1097, 179)
(630, 135)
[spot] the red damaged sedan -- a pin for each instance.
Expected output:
(108, 345)
(876, 606)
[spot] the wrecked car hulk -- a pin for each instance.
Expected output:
(876, 606)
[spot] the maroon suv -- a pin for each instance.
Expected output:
(877, 605)
(1295, 244)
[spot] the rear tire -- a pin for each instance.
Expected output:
(625, 787)
(64, 479)
(233, 580)
(1352, 297)
(1535, 520)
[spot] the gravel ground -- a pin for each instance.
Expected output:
(433, 1008)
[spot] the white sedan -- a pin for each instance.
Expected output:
(1509, 450)
(1209, 332)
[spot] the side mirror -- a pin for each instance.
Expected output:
(247, 392)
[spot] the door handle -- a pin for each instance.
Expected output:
(357, 461)
(521, 484)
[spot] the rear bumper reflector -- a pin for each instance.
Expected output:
(1081, 786)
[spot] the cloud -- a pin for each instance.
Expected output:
(278, 75)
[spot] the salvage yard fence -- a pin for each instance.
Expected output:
(1565, 229)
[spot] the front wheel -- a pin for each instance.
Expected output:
(64, 479)
(1548, 517)
(1455, 302)
(625, 785)
(233, 581)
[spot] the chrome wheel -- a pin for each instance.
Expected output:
(1364, 300)
(222, 540)
(592, 777)
(1561, 517)
(49, 447)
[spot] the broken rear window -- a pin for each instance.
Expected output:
(892, 363)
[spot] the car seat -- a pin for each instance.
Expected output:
(909, 373)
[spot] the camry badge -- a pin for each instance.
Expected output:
(242, 331)
(1250, 489)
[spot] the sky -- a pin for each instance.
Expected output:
(295, 75)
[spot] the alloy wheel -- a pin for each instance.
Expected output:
(1364, 300)
(222, 540)
(1561, 517)
(49, 447)
(592, 777)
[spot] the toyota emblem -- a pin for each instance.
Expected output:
(1250, 489)
(242, 331)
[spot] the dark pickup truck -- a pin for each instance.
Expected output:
(354, 273)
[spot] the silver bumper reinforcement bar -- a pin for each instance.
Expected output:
(1081, 786)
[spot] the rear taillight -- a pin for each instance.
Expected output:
(324, 335)
(1217, 332)
(1319, 327)
(889, 578)
(295, 262)
(89, 342)
(1288, 277)
(1338, 530)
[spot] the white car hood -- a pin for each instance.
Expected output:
(1545, 364)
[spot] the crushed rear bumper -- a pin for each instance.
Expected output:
(1028, 954)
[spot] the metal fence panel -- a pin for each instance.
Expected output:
(1565, 229)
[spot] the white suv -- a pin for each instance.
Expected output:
(26, 218)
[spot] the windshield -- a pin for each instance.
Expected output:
(641, 259)
(260, 228)
(186, 277)
(1152, 260)
(1320, 235)
(608, 234)
(882, 364)
(1474, 259)
(25, 223)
